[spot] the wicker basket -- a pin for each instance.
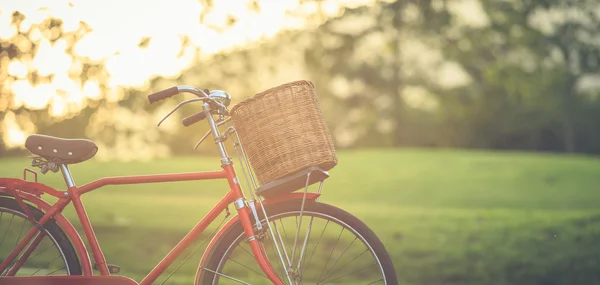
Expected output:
(283, 131)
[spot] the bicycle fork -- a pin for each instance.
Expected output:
(244, 212)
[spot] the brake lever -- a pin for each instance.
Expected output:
(202, 139)
(178, 106)
(209, 131)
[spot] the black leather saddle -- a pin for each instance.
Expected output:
(59, 150)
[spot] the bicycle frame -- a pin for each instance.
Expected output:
(31, 191)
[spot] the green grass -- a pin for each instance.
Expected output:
(445, 216)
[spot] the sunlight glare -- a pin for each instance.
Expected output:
(18, 69)
(52, 59)
(6, 32)
(58, 106)
(331, 7)
(32, 18)
(64, 84)
(14, 136)
(39, 96)
(91, 90)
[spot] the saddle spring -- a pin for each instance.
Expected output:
(44, 164)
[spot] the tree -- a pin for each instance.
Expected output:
(528, 59)
(18, 54)
(365, 84)
(524, 62)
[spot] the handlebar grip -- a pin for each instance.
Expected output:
(163, 94)
(193, 119)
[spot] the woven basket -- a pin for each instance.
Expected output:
(283, 131)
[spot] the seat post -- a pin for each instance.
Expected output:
(67, 175)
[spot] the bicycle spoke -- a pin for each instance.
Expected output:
(9, 223)
(327, 274)
(342, 267)
(286, 238)
(251, 255)
(50, 262)
(43, 250)
(296, 220)
(28, 250)
(245, 250)
(284, 231)
(274, 252)
(282, 245)
(21, 232)
(274, 240)
(64, 267)
(299, 224)
(308, 231)
(315, 248)
(376, 281)
(226, 276)
(346, 275)
(248, 267)
(331, 253)
(214, 232)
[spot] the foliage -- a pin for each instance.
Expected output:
(526, 64)
(435, 73)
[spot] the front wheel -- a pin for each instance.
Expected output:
(326, 246)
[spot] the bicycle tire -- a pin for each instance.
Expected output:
(53, 231)
(231, 238)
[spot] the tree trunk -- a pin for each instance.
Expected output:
(569, 98)
(398, 109)
(570, 133)
(397, 84)
(569, 129)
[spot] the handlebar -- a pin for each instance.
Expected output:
(219, 101)
(164, 94)
(193, 119)
(215, 103)
(170, 92)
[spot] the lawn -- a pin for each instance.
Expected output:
(445, 216)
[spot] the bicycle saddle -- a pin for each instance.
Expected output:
(64, 151)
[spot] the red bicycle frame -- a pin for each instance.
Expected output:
(24, 190)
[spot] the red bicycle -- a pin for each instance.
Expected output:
(289, 238)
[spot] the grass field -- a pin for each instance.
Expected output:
(445, 216)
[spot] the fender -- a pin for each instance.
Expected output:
(34, 188)
(235, 219)
(63, 223)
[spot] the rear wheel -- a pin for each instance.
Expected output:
(54, 255)
(331, 247)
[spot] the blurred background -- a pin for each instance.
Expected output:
(473, 125)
